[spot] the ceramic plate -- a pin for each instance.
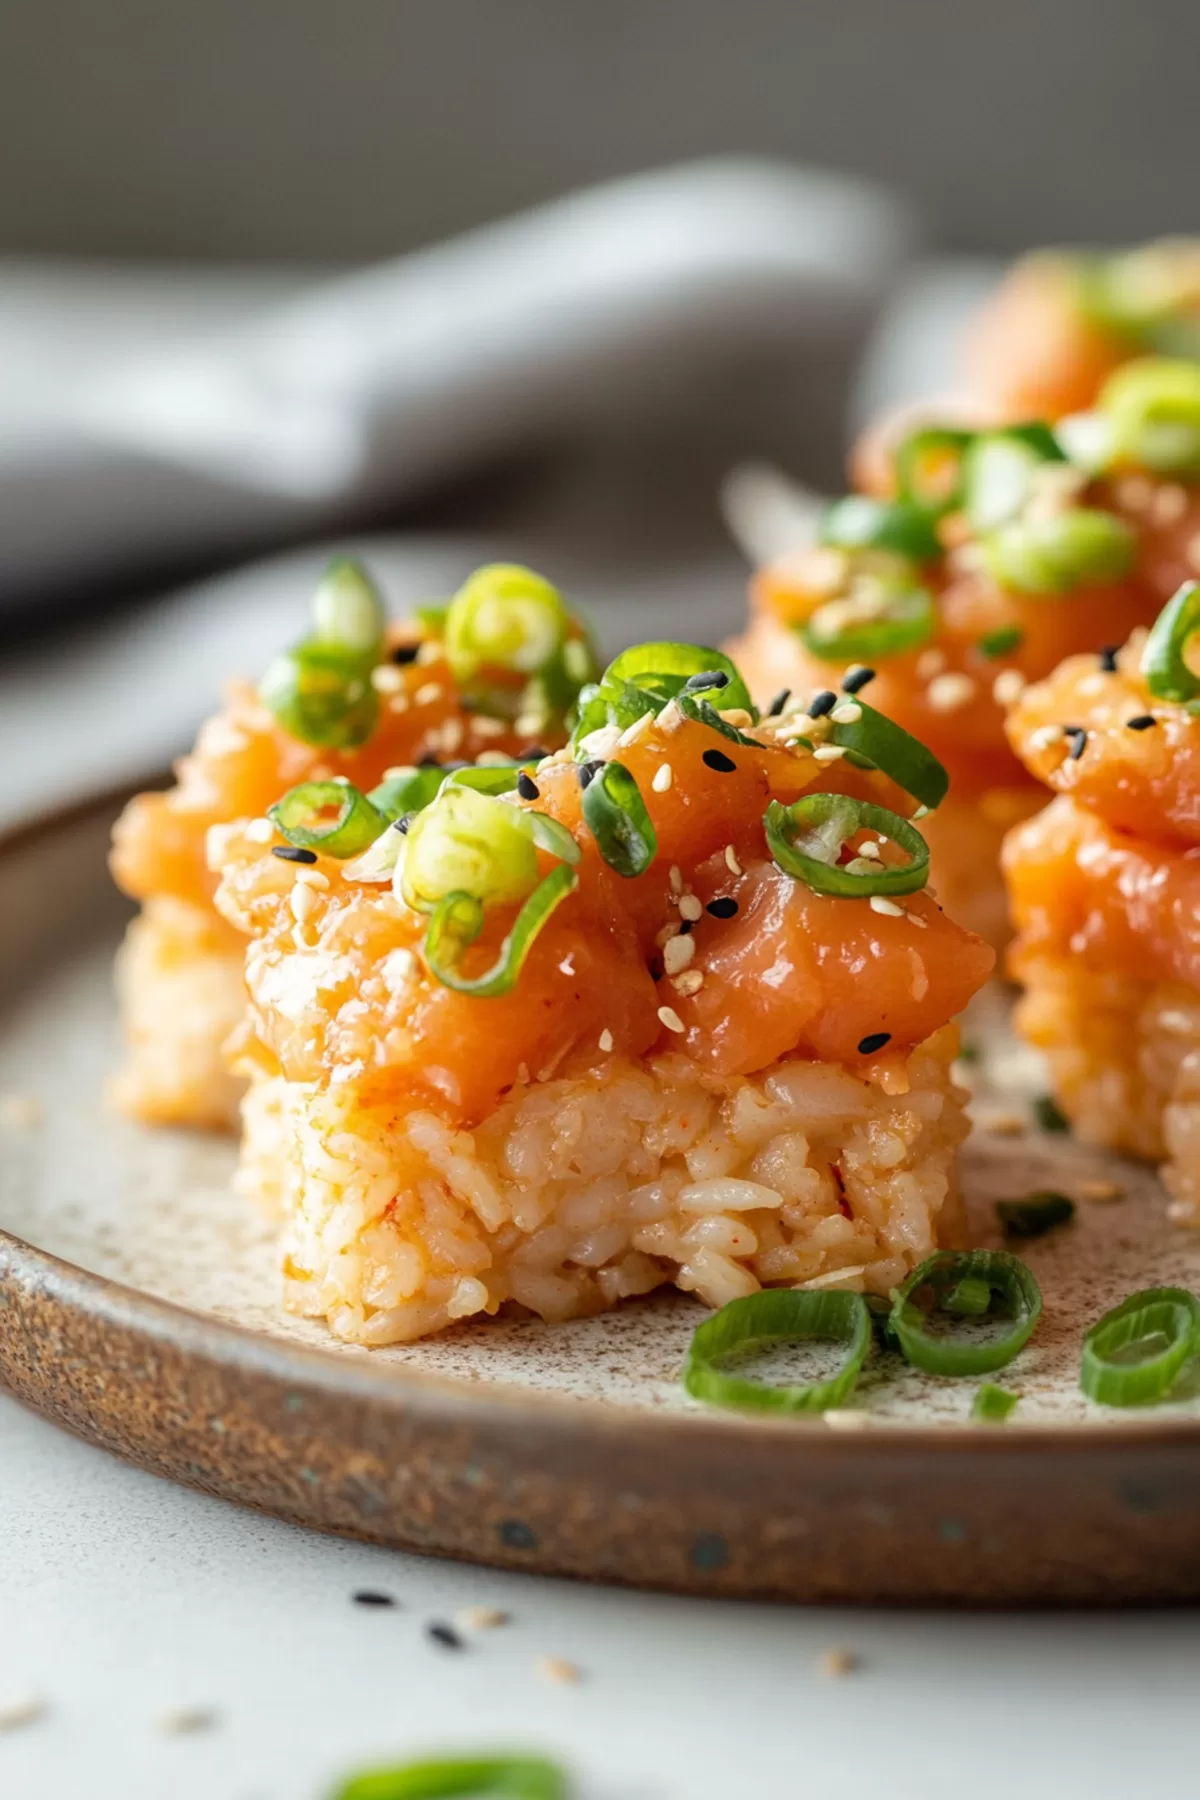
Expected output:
(138, 1306)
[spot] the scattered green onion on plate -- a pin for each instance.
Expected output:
(1163, 1324)
(1036, 1214)
(993, 1404)
(455, 1777)
(769, 1318)
(944, 1274)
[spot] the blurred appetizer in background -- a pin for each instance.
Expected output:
(670, 1005)
(1105, 890)
(976, 561)
(494, 672)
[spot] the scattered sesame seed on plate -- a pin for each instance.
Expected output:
(664, 776)
(1002, 1124)
(606, 1040)
(439, 1632)
(559, 1670)
(1098, 1191)
(846, 1418)
(182, 1721)
(834, 1665)
(21, 1710)
(670, 1018)
(373, 1597)
(481, 1618)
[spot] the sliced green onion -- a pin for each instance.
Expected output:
(858, 522)
(761, 1321)
(505, 617)
(1000, 470)
(701, 713)
(356, 822)
(941, 1274)
(1164, 1323)
(458, 920)
(1048, 1115)
(1164, 658)
(1035, 1215)
(1003, 642)
(454, 1778)
(924, 461)
(406, 790)
(807, 837)
(348, 612)
(322, 696)
(615, 814)
(993, 1404)
(887, 746)
(467, 842)
(663, 668)
(970, 1298)
(868, 626)
(1074, 548)
(1153, 409)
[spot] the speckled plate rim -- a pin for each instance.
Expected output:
(492, 1472)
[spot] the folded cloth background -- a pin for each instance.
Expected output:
(600, 361)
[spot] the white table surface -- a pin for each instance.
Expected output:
(123, 1599)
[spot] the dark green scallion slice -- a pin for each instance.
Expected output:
(664, 668)
(616, 816)
(993, 1404)
(701, 713)
(1163, 1324)
(761, 1321)
(1048, 1114)
(302, 817)
(1164, 659)
(806, 839)
(839, 631)
(458, 920)
(858, 522)
(409, 790)
(969, 1298)
(887, 746)
(1035, 1215)
(456, 1777)
(1003, 642)
(322, 696)
(1011, 1284)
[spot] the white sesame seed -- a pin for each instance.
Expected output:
(429, 652)
(1097, 1190)
(917, 920)
(1045, 737)
(399, 703)
(312, 878)
(690, 982)
(481, 1618)
(670, 1018)
(1008, 687)
(670, 718)
(303, 903)
(633, 732)
(833, 1276)
(731, 860)
(848, 713)
(387, 679)
(397, 969)
(1002, 1124)
(428, 693)
(950, 692)
(835, 1664)
(844, 1418)
(667, 933)
(21, 1710)
(183, 1720)
(829, 753)
(606, 1040)
(678, 954)
(870, 848)
(881, 904)
(558, 1669)
(675, 877)
(690, 908)
(259, 831)
(929, 664)
(663, 778)
(483, 727)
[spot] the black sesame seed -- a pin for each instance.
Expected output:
(445, 1635)
(587, 771)
(875, 1040)
(403, 822)
(428, 761)
(821, 703)
(535, 753)
(1076, 737)
(373, 1597)
(857, 680)
(289, 853)
(1143, 722)
(686, 926)
(708, 678)
(527, 787)
(1108, 658)
(724, 908)
(717, 759)
(405, 653)
(778, 703)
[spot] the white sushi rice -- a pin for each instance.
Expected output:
(577, 1193)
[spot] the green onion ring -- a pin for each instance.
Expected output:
(887, 746)
(858, 522)
(1079, 547)
(992, 1404)
(932, 441)
(1170, 1313)
(999, 472)
(1035, 1215)
(779, 1316)
(1164, 658)
(357, 825)
(1153, 408)
(458, 920)
(615, 814)
(408, 790)
(663, 668)
(828, 821)
(348, 613)
(906, 620)
(942, 1273)
(454, 1778)
(322, 696)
